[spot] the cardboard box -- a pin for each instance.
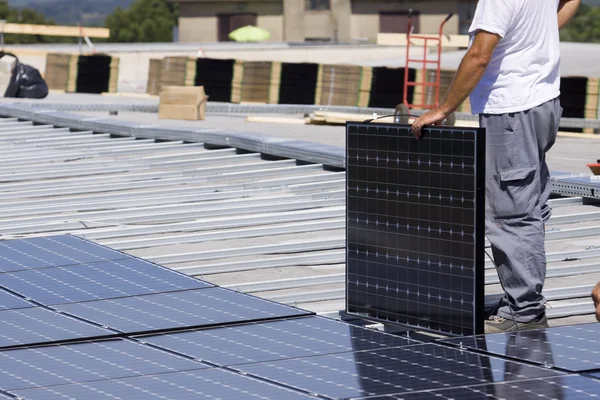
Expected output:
(182, 102)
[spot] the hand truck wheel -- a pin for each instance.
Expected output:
(401, 114)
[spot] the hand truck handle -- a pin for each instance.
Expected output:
(448, 17)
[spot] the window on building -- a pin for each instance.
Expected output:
(318, 5)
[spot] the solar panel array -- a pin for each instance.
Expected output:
(134, 329)
(415, 226)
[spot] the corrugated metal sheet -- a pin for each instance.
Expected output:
(269, 226)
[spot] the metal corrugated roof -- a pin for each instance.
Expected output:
(266, 225)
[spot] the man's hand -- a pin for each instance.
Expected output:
(596, 297)
(433, 117)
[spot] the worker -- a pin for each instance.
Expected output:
(596, 297)
(511, 73)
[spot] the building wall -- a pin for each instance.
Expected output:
(198, 21)
(287, 20)
(364, 21)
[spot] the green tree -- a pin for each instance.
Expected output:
(143, 21)
(585, 26)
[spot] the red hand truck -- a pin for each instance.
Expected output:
(403, 109)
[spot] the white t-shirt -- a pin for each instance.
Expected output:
(524, 70)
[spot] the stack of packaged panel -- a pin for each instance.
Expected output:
(339, 85)
(177, 71)
(298, 83)
(153, 86)
(217, 76)
(61, 71)
(579, 98)
(255, 85)
(97, 73)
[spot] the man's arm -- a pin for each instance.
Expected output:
(468, 75)
(596, 297)
(566, 11)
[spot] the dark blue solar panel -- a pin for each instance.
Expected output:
(192, 385)
(104, 280)
(269, 341)
(9, 301)
(85, 362)
(33, 325)
(393, 370)
(192, 308)
(52, 251)
(595, 374)
(572, 348)
(572, 387)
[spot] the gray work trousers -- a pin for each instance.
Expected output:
(517, 190)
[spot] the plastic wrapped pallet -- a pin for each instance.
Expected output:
(339, 85)
(217, 76)
(387, 87)
(177, 71)
(153, 86)
(61, 71)
(579, 99)
(96, 73)
(298, 83)
(256, 81)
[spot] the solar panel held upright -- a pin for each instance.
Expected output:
(415, 226)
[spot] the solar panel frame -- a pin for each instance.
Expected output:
(24, 254)
(374, 288)
(197, 384)
(569, 387)
(19, 328)
(391, 370)
(97, 281)
(110, 313)
(274, 340)
(573, 348)
(10, 301)
(88, 361)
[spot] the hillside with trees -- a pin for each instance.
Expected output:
(585, 27)
(143, 21)
(70, 12)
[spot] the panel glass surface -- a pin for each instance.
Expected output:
(573, 348)
(269, 341)
(393, 370)
(97, 281)
(37, 325)
(9, 301)
(52, 251)
(85, 362)
(415, 218)
(572, 387)
(192, 385)
(192, 308)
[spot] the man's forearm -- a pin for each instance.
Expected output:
(566, 11)
(468, 75)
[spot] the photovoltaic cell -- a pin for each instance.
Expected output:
(572, 348)
(9, 301)
(192, 385)
(104, 280)
(52, 251)
(270, 341)
(415, 216)
(572, 387)
(85, 362)
(35, 325)
(393, 370)
(192, 308)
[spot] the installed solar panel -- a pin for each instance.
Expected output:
(393, 370)
(572, 348)
(105, 280)
(415, 234)
(52, 251)
(572, 387)
(85, 362)
(192, 308)
(193, 385)
(9, 301)
(269, 341)
(35, 325)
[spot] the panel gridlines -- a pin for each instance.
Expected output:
(415, 232)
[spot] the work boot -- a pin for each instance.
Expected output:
(498, 324)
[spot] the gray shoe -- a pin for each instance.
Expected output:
(498, 324)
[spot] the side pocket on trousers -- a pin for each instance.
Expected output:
(515, 193)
